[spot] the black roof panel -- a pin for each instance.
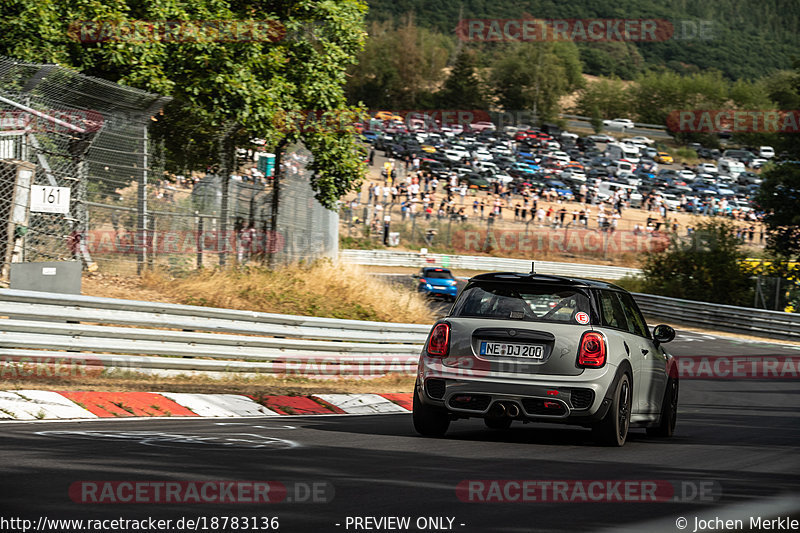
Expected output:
(517, 277)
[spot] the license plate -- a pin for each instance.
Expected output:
(439, 287)
(534, 351)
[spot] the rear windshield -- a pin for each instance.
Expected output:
(438, 274)
(523, 302)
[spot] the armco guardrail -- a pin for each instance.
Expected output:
(641, 125)
(745, 320)
(477, 262)
(88, 331)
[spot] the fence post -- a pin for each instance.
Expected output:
(223, 215)
(141, 206)
(199, 240)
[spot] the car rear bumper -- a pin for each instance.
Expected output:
(445, 291)
(581, 399)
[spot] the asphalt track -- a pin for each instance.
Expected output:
(739, 437)
(737, 441)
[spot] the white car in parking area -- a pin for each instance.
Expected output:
(561, 156)
(485, 166)
(501, 177)
(501, 150)
(641, 139)
(766, 152)
(601, 138)
(573, 174)
(707, 168)
(672, 201)
(618, 123)
(687, 175)
(483, 155)
(454, 155)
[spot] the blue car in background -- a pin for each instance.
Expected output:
(435, 281)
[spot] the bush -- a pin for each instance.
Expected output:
(704, 266)
(631, 283)
(685, 154)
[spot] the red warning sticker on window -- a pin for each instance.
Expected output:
(582, 318)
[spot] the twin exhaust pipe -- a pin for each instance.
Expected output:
(503, 409)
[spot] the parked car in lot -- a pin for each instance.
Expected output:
(474, 181)
(601, 137)
(730, 167)
(767, 152)
(705, 153)
(663, 158)
(745, 156)
(748, 178)
(707, 168)
(434, 281)
(530, 347)
(641, 139)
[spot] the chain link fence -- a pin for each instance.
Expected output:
(87, 140)
(82, 140)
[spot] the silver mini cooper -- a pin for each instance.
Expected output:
(538, 348)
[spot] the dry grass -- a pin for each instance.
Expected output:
(322, 289)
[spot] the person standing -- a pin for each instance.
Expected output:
(540, 216)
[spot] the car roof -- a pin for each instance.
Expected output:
(517, 277)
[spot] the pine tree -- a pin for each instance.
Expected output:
(463, 89)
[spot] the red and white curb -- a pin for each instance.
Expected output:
(73, 405)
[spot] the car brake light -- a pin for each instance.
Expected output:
(592, 350)
(422, 280)
(439, 342)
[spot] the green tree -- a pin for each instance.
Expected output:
(217, 86)
(463, 89)
(705, 266)
(535, 75)
(596, 119)
(779, 199)
(612, 59)
(400, 67)
(607, 96)
(656, 94)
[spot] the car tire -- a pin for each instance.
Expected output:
(613, 429)
(497, 423)
(429, 420)
(669, 412)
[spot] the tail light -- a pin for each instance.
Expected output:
(592, 350)
(439, 341)
(422, 280)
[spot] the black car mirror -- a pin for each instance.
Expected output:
(663, 333)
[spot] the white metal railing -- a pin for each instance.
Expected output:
(477, 262)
